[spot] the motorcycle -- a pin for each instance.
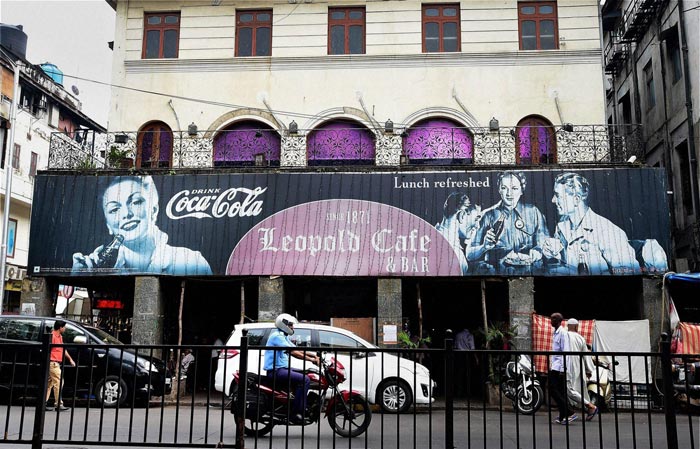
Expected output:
(521, 385)
(599, 385)
(348, 412)
(686, 383)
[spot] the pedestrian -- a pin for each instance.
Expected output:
(557, 376)
(56, 360)
(187, 368)
(214, 360)
(575, 382)
(464, 341)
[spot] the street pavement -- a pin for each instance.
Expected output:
(477, 428)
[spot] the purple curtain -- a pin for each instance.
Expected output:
(340, 142)
(149, 145)
(239, 143)
(535, 144)
(438, 140)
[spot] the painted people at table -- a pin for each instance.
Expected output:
(584, 241)
(511, 230)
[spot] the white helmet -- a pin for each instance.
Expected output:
(284, 321)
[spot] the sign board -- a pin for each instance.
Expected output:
(593, 222)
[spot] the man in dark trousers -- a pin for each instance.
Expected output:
(557, 376)
(57, 354)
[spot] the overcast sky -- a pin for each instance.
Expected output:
(72, 34)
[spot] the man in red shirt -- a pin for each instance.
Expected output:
(57, 354)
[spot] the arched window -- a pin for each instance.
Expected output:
(438, 141)
(535, 142)
(242, 142)
(340, 142)
(154, 146)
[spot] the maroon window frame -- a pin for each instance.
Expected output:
(154, 146)
(438, 24)
(351, 22)
(535, 142)
(534, 23)
(254, 32)
(162, 39)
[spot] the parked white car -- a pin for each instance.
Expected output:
(385, 379)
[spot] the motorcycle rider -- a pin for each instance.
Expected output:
(278, 367)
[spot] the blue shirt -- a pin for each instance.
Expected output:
(275, 359)
(560, 343)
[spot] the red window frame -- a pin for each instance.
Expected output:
(441, 21)
(254, 25)
(347, 22)
(162, 28)
(537, 18)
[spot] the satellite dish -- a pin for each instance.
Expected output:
(75, 90)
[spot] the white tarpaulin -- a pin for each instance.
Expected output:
(625, 336)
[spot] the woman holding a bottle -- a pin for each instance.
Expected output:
(510, 233)
(137, 245)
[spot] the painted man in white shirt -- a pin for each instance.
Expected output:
(586, 242)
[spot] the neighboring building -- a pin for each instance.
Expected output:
(652, 58)
(45, 107)
(313, 157)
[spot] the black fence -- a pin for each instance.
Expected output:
(125, 395)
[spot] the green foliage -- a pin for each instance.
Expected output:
(87, 163)
(498, 335)
(405, 340)
(116, 155)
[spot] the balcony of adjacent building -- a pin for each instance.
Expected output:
(615, 54)
(637, 17)
(250, 145)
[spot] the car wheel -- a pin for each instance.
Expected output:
(110, 392)
(394, 396)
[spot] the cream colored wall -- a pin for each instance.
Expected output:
(396, 80)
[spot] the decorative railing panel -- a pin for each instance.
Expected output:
(574, 144)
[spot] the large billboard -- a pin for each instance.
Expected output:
(611, 221)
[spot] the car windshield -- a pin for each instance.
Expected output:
(103, 336)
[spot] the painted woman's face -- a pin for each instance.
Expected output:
(128, 211)
(511, 191)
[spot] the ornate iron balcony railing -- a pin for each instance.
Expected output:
(566, 144)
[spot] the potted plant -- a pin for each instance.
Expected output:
(497, 336)
(119, 157)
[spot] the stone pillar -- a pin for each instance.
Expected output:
(149, 311)
(388, 306)
(38, 291)
(651, 305)
(521, 304)
(270, 298)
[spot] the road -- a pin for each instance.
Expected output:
(478, 429)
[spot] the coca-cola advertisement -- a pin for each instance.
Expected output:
(431, 223)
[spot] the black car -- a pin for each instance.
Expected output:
(105, 370)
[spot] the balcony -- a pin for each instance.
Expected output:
(454, 147)
(616, 53)
(638, 15)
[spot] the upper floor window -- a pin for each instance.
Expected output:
(340, 142)
(649, 84)
(254, 33)
(33, 164)
(161, 35)
(154, 146)
(537, 22)
(535, 142)
(247, 143)
(674, 55)
(441, 28)
(15, 156)
(438, 141)
(346, 31)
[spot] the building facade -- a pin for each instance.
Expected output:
(348, 160)
(45, 107)
(652, 60)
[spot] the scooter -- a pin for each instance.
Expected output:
(522, 386)
(348, 412)
(600, 383)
